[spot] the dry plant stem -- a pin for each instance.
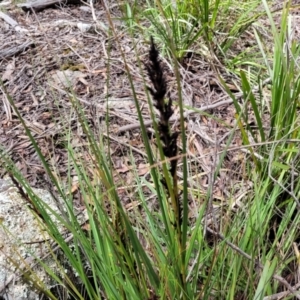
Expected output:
(101, 107)
(259, 144)
(40, 72)
(281, 295)
(101, 25)
(201, 156)
(291, 289)
(93, 11)
(6, 105)
(201, 109)
(174, 119)
(124, 144)
(83, 60)
(211, 179)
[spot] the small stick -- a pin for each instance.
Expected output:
(174, 119)
(201, 109)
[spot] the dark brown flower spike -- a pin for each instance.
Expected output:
(163, 105)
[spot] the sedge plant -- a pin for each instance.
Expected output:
(269, 222)
(198, 26)
(105, 251)
(156, 253)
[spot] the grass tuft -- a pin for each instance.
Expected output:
(240, 245)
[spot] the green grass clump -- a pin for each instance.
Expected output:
(157, 252)
(199, 26)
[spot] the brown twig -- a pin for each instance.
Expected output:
(196, 110)
(176, 118)
(281, 295)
